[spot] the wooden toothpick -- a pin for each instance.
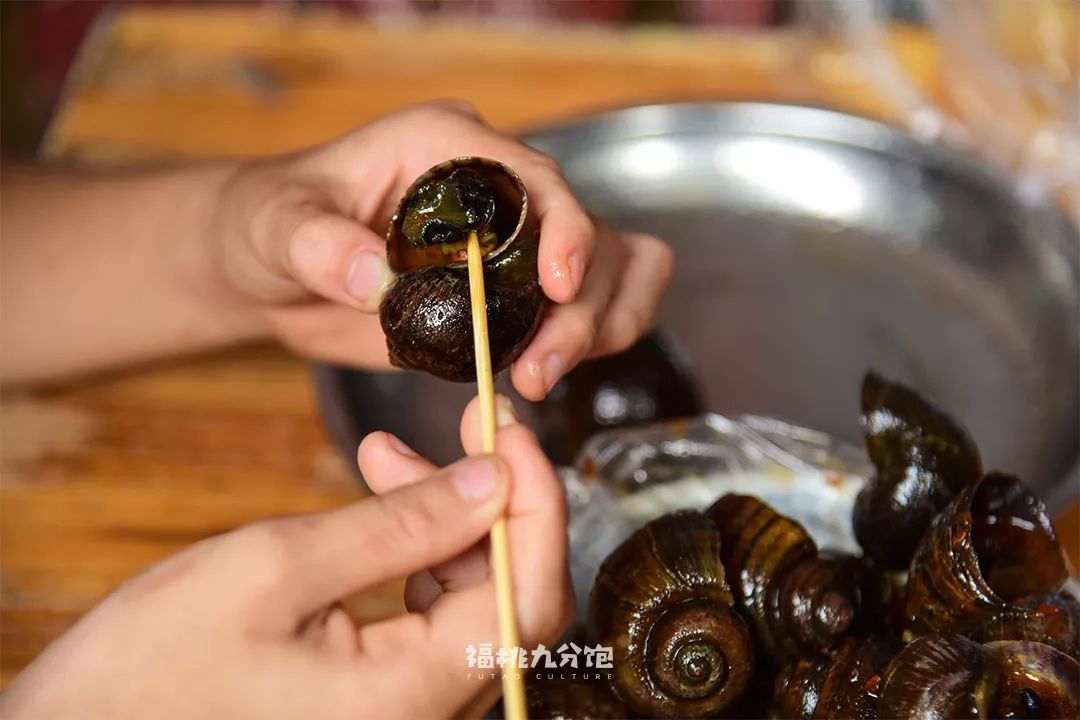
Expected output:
(512, 684)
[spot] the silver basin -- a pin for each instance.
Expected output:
(812, 245)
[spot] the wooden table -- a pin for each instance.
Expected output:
(104, 477)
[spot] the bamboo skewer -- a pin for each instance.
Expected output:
(512, 685)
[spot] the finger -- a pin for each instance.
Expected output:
(333, 333)
(387, 463)
(567, 233)
(536, 513)
(421, 590)
(568, 332)
(647, 275)
(327, 254)
(310, 561)
(455, 575)
(544, 603)
(471, 436)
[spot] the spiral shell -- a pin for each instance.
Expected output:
(994, 545)
(799, 601)
(843, 685)
(427, 313)
(923, 458)
(1052, 620)
(661, 602)
(952, 676)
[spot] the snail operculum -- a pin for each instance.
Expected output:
(444, 210)
(923, 457)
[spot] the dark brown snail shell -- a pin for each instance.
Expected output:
(1052, 620)
(649, 382)
(923, 458)
(426, 315)
(952, 676)
(994, 545)
(661, 602)
(843, 685)
(569, 696)
(799, 601)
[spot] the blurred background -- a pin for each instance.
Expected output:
(927, 226)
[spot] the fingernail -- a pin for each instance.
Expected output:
(475, 480)
(399, 445)
(553, 367)
(367, 277)
(504, 411)
(557, 270)
(577, 269)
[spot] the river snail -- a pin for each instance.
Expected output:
(993, 546)
(843, 684)
(426, 314)
(661, 602)
(952, 676)
(923, 458)
(799, 601)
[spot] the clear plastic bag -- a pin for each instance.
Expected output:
(624, 478)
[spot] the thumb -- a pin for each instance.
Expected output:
(332, 555)
(328, 254)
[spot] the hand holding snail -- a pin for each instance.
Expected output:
(300, 244)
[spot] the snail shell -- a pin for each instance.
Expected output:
(952, 676)
(1052, 620)
(427, 313)
(994, 545)
(923, 458)
(660, 601)
(799, 601)
(843, 685)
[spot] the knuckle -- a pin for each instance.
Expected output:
(265, 549)
(412, 523)
(583, 331)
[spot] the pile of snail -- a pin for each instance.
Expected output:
(735, 612)
(426, 314)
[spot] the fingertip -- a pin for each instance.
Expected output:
(528, 379)
(368, 449)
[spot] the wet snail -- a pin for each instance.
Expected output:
(735, 612)
(947, 676)
(661, 602)
(799, 601)
(426, 314)
(842, 685)
(993, 546)
(923, 458)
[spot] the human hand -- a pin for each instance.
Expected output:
(247, 624)
(301, 238)
(540, 574)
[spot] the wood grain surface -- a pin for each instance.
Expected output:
(101, 478)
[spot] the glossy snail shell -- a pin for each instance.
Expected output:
(994, 545)
(661, 602)
(923, 458)
(1053, 620)
(427, 315)
(799, 601)
(842, 685)
(952, 676)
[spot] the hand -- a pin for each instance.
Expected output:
(302, 237)
(247, 624)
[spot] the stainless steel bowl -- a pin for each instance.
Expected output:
(812, 245)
